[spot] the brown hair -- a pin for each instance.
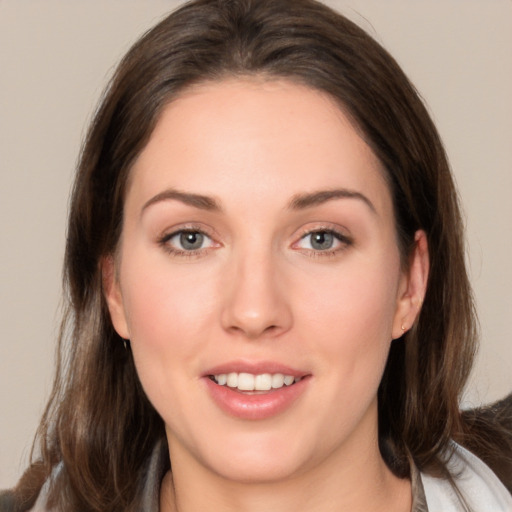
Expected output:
(99, 428)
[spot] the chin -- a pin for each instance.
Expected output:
(258, 459)
(261, 470)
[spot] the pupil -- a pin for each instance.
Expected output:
(191, 241)
(322, 240)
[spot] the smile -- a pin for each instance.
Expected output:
(249, 382)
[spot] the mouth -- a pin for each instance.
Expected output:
(248, 382)
(256, 391)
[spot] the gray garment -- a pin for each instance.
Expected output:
(160, 462)
(419, 501)
(479, 486)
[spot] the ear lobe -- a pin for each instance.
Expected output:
(413, 286)
(113, 296)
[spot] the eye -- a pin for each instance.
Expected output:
(323, 240)
(189, 240)
(320, 240)
(186, 242)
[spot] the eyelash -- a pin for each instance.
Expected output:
(164, 240)
(342, 239)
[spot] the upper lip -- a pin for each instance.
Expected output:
(255, 368)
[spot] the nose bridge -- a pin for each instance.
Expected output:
(255, 303)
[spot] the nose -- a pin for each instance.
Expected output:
(255, 298)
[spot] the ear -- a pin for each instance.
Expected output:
(113, 296)
(413, 286)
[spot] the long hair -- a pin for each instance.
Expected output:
(99, 428)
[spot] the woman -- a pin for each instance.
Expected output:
(266, 284)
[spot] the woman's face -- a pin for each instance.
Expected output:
(259, 280)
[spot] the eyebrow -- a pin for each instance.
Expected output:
(195, 200)
(303, 201)
(298, 202)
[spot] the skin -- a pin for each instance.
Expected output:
(258, 289)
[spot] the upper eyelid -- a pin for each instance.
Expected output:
(344, 239)
(169, 232)
(324, 230)
(172, 233)
(341, 231)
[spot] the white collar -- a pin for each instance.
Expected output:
(480, 487)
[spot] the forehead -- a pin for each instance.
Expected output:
(256, 137)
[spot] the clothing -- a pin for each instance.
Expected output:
(480, 487)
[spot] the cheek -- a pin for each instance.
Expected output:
(350, 320)
(358, 299)
(349, 328)
(169, 312)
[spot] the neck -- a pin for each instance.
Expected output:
(363, 483)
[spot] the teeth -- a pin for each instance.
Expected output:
(232, 380)
(250, 382)
(288, 380)
(222, 379)
(245, 382)
(263, 382)
(277, 380)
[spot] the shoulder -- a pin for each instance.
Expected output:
(7, 501)
(478, 485)
(147, 497)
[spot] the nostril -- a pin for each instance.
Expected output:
(255, 331)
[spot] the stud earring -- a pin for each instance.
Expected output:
(403, 327)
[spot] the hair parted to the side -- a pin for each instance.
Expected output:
(99, 425)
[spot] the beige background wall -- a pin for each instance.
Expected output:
(55, 57)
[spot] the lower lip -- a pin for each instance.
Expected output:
(258, 406)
